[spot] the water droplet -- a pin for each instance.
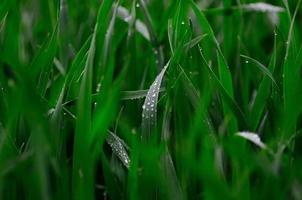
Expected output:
(246, 62)
(183, 23)
(144, 107)
(154, 95)
(98, 87)
(137, 5)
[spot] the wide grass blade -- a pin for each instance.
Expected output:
(83, 165)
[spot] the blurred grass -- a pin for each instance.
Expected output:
(74, 75)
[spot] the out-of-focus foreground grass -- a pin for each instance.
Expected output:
(150, 99)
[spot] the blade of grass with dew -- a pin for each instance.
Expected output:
(149, 119)
(149, 114)
(118, 148)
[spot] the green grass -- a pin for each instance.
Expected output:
(150, 99)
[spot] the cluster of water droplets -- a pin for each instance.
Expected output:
(118, 149)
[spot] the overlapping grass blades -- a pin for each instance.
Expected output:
(83, 165)
(263, 92)
(224, 72)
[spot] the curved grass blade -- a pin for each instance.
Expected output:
(225, 95)
(262, 68)
(138, 94)
(195, 41)
(262, 94)
(44, 60)
(225, 80)
(109, 34)
(125, 95)
(150, 105)
(76, 69)
(118, 148)
(292, 79)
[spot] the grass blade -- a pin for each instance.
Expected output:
(82, 169)
(150, 105)
(118, 148)
(261, 67)
(262, 94)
